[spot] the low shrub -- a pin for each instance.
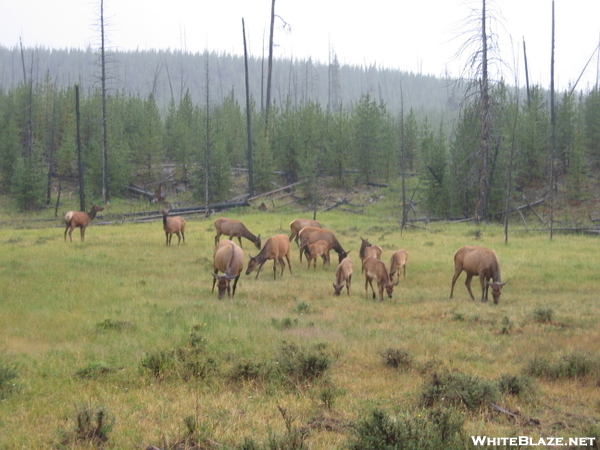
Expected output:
(516, 385)
(114, 325)
(185, 363)
(92, 425)
(458, 389)
(574, 365)
(430, 430)
(304, 364)
(397, 358)
(542, 315)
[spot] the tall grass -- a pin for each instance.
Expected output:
(88, 323)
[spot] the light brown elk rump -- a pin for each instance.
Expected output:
(228, 258)
(297, 224)
(398, 261)
(81, 220)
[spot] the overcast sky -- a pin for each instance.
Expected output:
(416, 36)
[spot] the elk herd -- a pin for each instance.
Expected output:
(314, 242)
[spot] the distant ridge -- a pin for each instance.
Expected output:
(168, 74)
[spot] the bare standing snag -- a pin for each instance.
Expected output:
(479, 261)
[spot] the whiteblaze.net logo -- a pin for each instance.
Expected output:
(534, 442)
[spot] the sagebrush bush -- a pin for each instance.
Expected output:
(304, 364)
(92, 425)
(517, 385)
(430, 430)
(543, 315)
(185, 363)
(94, 371)
(458, 389)
(398, 358)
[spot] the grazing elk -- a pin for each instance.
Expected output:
(228, 258)
(398, 261)
(319, 248)
(366, 250)
(297, 224)
(173, 225)
(276, 248)
(375, 269)
(310, 235)
(343, 276)
(231, 228)
(81, 219)
(482, 262)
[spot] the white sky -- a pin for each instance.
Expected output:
(418, 36)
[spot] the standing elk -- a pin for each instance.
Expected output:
(319, 248)
(343, 276)
(482, 262)
(173, 225)
(375, 269)
(367, 249)
(398, 261)
(310, 235)
(276, 248)
(228, 258)
(81, 219)
(297, 224)
(234, 228)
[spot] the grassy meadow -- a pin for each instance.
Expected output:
(118, 342)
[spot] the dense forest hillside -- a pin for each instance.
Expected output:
(168, 74)
(344, 126)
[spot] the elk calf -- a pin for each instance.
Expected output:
(482, 262)
(228, 258)
(276, 248)
(310, 235)
(81, 219)
(398, 261)
(319, 248)
(173, 225)
(343, 275)
(375, 269)
(234, 228)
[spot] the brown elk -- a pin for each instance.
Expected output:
(375, 269)
(276, 248)
(482, 262)
(297, 224)
(228, 258)
(319, 248)
(81, 219)
(310, 235)
(234, 228)
(398, 261)
(367, 249)
(173, 225)
(343, 276)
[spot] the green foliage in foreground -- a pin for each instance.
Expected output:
(131, 329)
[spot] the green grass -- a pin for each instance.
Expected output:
(78, 321)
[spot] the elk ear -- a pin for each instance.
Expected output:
(215, 275)
(397, 283)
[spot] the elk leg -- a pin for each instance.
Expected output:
(468, 285)
(259, 267)
(454, 278)
(282, 266)
(82, 234)
(484, 288)
(289, 263)
(235, 285)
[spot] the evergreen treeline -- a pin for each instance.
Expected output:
(307, 138)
